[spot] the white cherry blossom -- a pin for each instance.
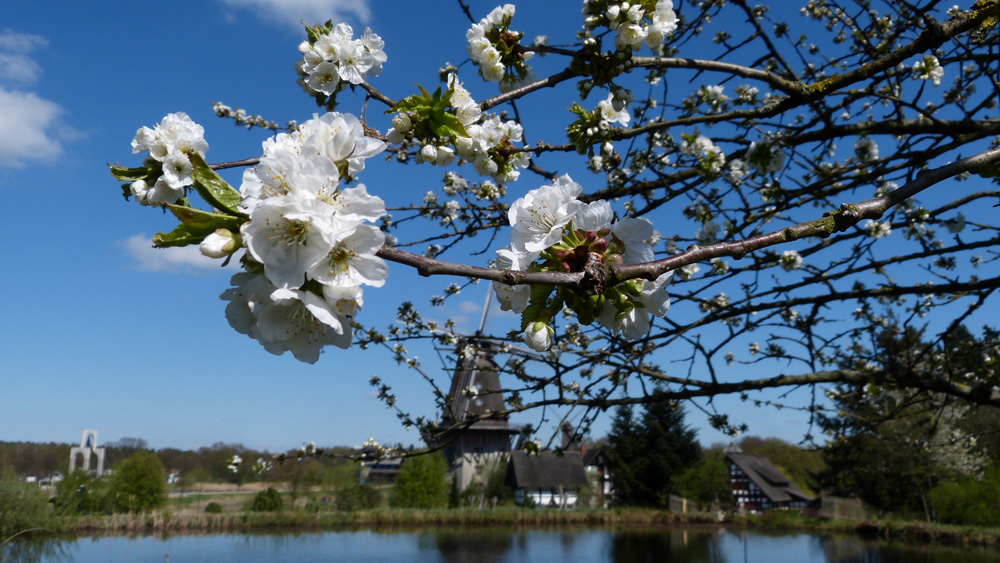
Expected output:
(352, 259)
(303, 323)
(513, 297)
(288, 235)
(790, 260)
(538, 218)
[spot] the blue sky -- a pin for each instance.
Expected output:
(99, 330)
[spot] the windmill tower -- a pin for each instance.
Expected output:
(473, 434)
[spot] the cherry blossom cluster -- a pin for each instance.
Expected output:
(446, 123)
(594, 127)
(413, 125)
(928, 68)
(710, 157)
(332, 58)
(712, 96)
(310, 244)
(496, 49)
(554, 231)
(169, 165)
(489, 147)
(866, 149)
(766, 157)
(790, 260)
(642, 21)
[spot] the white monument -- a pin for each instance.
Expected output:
(88, 447)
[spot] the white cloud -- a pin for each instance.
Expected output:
(178, 259)
(18, 42)
(293, 12)
(16, 67)
(29, 128)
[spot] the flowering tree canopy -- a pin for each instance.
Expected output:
(723, 186)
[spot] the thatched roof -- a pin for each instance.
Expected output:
(546, 471)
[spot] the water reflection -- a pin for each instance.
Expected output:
(852, 550)
(458, 546)
(676, 546)
(708, 545)
(33, 550)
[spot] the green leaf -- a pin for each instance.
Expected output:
(213, 189)
(446, 125)
(197, 218)
(195, 226)
(535, 311)
(183, 235)
(129, 174)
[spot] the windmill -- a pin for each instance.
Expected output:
(473, 434)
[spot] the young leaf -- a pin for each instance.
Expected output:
(196, 218)
(129, 174)
(183, 235)
(213, 189)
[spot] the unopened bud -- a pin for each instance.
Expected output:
(220, 244)
(401, 122)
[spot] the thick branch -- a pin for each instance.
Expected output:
(786, 86)
(842, 219)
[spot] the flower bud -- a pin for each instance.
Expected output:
(445, 156)
(401, 122)
(538, 336)
(428, 153)
(220, 244)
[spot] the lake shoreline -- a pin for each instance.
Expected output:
(165, 523)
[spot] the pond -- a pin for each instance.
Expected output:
(491, 546)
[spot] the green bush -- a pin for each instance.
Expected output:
(422, 482)
(80, 493)
(357, 496)
(23, 506)
(967, 501)
(266, 501)
(490, 482)
(138, 484)
(213, 508)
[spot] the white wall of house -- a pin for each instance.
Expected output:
(546, 497)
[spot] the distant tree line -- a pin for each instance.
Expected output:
(205, 464)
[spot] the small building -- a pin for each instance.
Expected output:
(384, 470)
(547, 479)
(598, 463)
(51, 480)
(758, 485)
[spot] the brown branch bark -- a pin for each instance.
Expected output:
(840, 220)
